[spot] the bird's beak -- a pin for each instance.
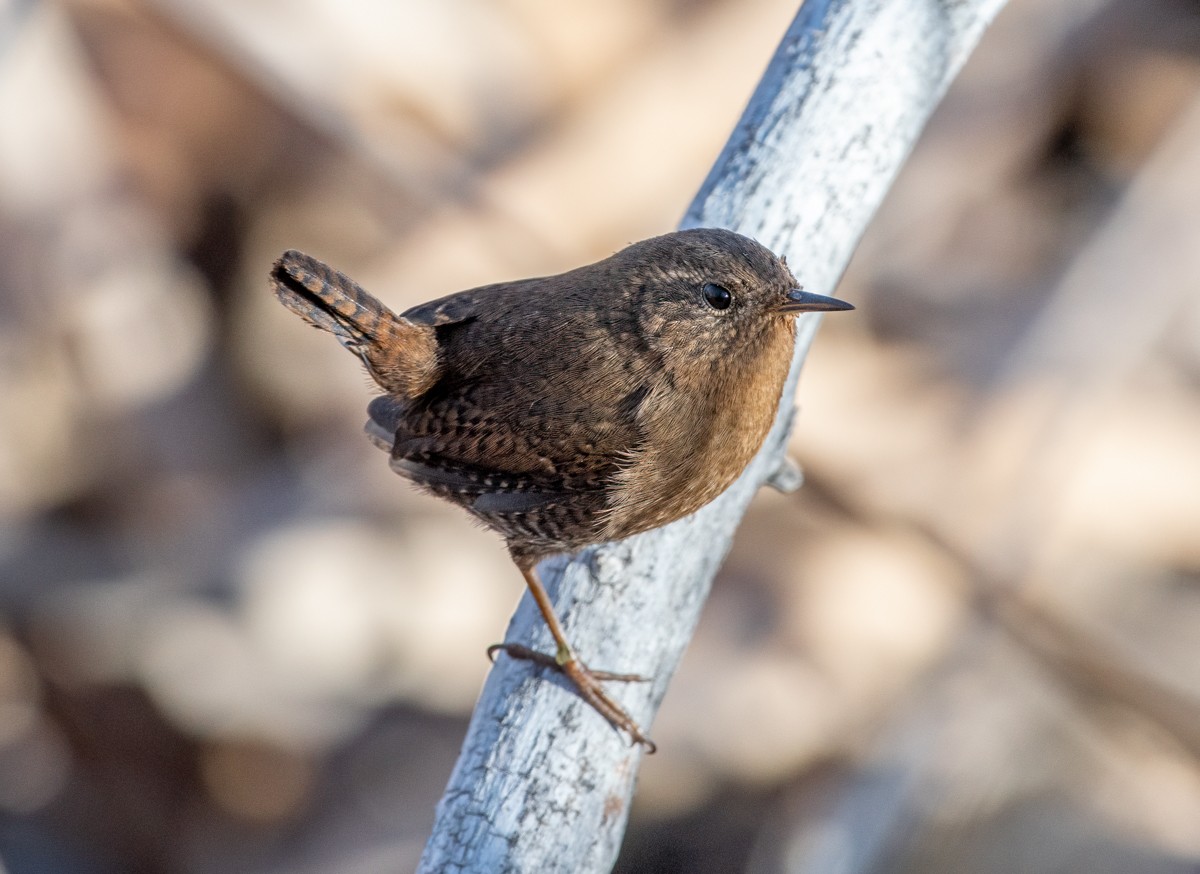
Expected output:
(801, 301)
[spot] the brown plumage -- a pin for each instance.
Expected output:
(574, 409)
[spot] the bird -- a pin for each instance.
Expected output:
(569, 410)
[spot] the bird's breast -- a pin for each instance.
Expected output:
(700, 435)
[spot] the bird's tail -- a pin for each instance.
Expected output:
(401, 356)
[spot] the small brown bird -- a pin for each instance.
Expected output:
(574, 409)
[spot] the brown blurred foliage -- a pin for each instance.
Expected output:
(231, 639)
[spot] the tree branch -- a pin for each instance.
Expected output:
(543, 783)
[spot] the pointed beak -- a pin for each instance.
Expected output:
(801, 301)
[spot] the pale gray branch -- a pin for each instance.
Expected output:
(543, 784)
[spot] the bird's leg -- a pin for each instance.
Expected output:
(586, 681)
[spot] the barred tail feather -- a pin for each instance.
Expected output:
(401, 356)
(328, 299)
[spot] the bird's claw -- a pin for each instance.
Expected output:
(587, 684)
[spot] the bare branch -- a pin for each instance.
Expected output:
(543, 783)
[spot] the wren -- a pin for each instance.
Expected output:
(569, 410)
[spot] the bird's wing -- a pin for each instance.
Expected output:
(488, 462)
(463, 306)
(507, 429)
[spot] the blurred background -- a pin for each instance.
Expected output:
(231, 640)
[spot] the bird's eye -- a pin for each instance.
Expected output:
(717, 296)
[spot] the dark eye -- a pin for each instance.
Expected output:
(718, 297)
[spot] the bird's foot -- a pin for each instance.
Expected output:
(587, 683)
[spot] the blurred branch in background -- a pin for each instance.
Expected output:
(228, 638)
